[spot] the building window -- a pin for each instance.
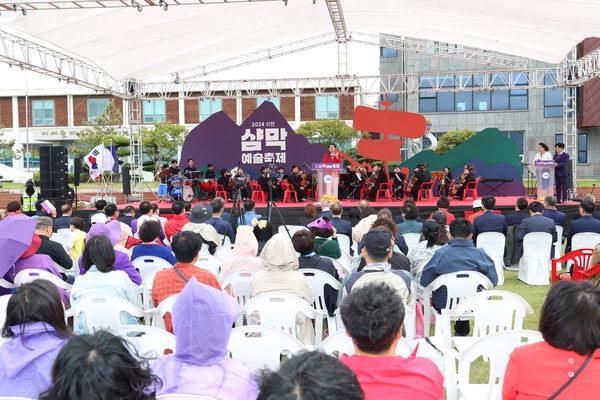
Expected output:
(95, 108)
(390, 97)
(154, 111)
(387, 52)
(327, 107)
(559, 138)
(275, 100)
(6, 157)
(513, 99)
(582, 148)
(553, 98)
(43, 112)
(518, 137)
(208, 107)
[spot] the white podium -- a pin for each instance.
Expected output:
(328, 178)
(544, 170)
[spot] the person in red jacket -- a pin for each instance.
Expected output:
(333, 156)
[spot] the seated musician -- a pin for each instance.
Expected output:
(263, 181)
(174, 168)
(399, 181)
(224, 181)
(444, 184)
(378, 177)
(189, 169)
(245, 191)
(466, 177)
(421, 176)
(358, 180)
(294, 180)
(165, 174)
(210, 172)
(345, 186)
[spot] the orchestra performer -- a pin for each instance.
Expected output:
(294, 180)
(224, 181)
(543, 153)
(245, 191)
(377, 178)
(165, 174)
(444, 184)
(345, 186)
(189, 168)
(263, 181)
(210, 172)
(466, 177)
(358, 179)
(399, 182)
(333, 156)
(422, 175)
(174, 168)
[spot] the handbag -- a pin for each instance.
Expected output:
(567, 383)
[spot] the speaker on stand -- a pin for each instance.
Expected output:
(76, 178)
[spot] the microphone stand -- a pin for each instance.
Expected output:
(312, 181)
(529, 182)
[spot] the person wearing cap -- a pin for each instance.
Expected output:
(197, 224)
(536, 223)
(326, 243)
(29, 197)
(112, 231)
(167, 282)
(222, 226)
(378, 248)
(477, 211)
(55, 250)
(280, 275)
(460, 254)
(202, 319)
(489, 221)
(398, 260)
(442, 204)
(100, 205)
(373, 316)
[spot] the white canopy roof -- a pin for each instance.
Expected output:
(149, 44)
(15, 175)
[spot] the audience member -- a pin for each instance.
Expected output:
(263, 232)
(197, 224)
(477, 211)
(433, 239)
(40, 212)
(98, 260)
(536, 223)
(64, 221)
(146, 214)
(373, 316)
(584, 224)
(100, 205)
(551, 212)
(440, 218)
(167, 282)
(310, 214)
(399, 219)
(122, 244)
(249, 213)
(326, 243)
(489, 221)
(398, 260)
(221, 226)
(442, 204)
(179, 219)
(570, 326)
(148, 234)
(281, 262)
(13, 208)
(460, 254)
(304, 243)
(325, 209)
(410, 212)
(112, 212)
(128, 215)
(100, 367)
(187, 209)
(592, 199)
(35, 330)
(55, 250)
(202, 320)
(520, 213)
(77, 237)
(354, 217)
(245, 250)
(368, 215)
(343, 227)
(311, 375)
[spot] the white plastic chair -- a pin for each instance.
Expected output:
(28, 275)
(227, 240)
(534, 265)
(3, 304)
(163, 307)
(493, 311)
(317, 280)
(148, 341)
(292, 228)
(279, 310)
(14, 398)
(340, 343)
(64, 231)
(410, 324)
(344, 241)
(225, 252)
(210, 263)
(411, 239)
(342, 269)
(239, 288)
(145, 265)
(493, 243)
(558, 244)
(497, 347)
(6, 284)
(103, 312)
(262, 346)
(459, 285)
(584, 240)
(61, 238)
(146, 289)
(182, 397)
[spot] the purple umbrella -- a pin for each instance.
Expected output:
(16, 233)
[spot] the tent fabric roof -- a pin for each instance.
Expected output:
(149, 44)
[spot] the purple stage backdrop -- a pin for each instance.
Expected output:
(262, 139)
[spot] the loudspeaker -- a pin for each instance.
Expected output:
(53, 172)
(46, 171)
(76, 170)
(126, 180)
(570, 176)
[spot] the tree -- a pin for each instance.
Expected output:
(6, 148)
(331, 131)
(162, 142)
(453, 138)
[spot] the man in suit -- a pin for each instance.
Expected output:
(551, 212)
(537, 223)
(489, 221)
(519, 215)
(325, 209)
(592, 199)
(341, 225)
(584, 224)
(561, 159)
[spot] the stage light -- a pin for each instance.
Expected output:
(136, 5)
(23, 11)
(285, 2)
(163, 4)
(139, 8)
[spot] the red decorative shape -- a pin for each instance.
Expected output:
(389, 122)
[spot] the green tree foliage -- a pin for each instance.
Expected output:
(6, 147)
(161, 143)
(331, 131)
(453, 138)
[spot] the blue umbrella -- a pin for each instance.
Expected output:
(16, 233)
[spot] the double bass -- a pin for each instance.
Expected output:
(414, 179)
(371, 182)
(462, 180)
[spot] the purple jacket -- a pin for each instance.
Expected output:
(122, 263)
(202, 320)
(25, 365)
(37, 261)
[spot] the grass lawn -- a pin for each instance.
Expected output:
(96, 186)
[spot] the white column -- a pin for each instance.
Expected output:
(181, 108)
(238, 107)
(297, 116)
(18, 164)
(70, 112)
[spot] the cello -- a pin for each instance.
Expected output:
(415, 179)
(462, 180)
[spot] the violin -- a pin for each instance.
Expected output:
(414, 179)
(460, 182)
(371, 182)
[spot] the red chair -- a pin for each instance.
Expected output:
(289, 192)
(385, 190)
(471, 189)
(221, 192)
(257, 193)
(581, 264)
(426, 190)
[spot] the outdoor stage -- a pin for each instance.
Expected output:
(290, 212)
